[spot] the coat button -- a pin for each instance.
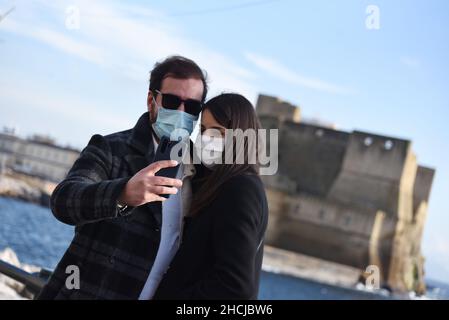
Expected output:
(111, 260)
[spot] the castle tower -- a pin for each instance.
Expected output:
(272, 106)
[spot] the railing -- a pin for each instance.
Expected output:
(34, 282)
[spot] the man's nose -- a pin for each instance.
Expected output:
(182, 107)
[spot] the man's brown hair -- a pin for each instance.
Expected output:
(177, 67)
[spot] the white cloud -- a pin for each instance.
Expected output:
(129, 39)
(58, 40)
(277, 69)
(410, 62)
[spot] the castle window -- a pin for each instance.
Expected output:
(368, 141)
(347, 220)
(388, 145)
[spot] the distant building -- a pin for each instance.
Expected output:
(37, 156)
(355, 198)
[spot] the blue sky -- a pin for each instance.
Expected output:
(62, 81)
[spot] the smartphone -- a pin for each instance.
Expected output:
(163, 152)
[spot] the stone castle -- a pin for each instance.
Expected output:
(355, 198)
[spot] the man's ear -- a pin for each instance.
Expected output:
(150, 104)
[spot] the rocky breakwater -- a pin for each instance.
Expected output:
(9, 288)
(26, 188)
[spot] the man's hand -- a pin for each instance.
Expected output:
(145, 187)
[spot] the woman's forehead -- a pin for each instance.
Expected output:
(209, 121)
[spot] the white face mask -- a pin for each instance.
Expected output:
(210, 150)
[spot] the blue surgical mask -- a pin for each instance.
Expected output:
(174, 124)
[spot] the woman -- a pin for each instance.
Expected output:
(220, 256)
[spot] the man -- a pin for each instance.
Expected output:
(113, 198)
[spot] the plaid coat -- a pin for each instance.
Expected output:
(114, 251)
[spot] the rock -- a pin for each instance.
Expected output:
(7, 293)
(20, 188)
(9, 288)
(8, 255)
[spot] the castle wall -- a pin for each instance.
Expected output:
(422, 186)
(372, 171)
(311, 156)
(322, 229)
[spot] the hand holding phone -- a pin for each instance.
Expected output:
(145, 186)
(164, 152)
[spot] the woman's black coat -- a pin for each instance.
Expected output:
(221, 252)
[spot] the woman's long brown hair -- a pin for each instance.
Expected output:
(232, 111)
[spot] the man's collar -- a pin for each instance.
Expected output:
(141, 136)
(155, 143)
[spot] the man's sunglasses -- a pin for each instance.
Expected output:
(171, 101)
